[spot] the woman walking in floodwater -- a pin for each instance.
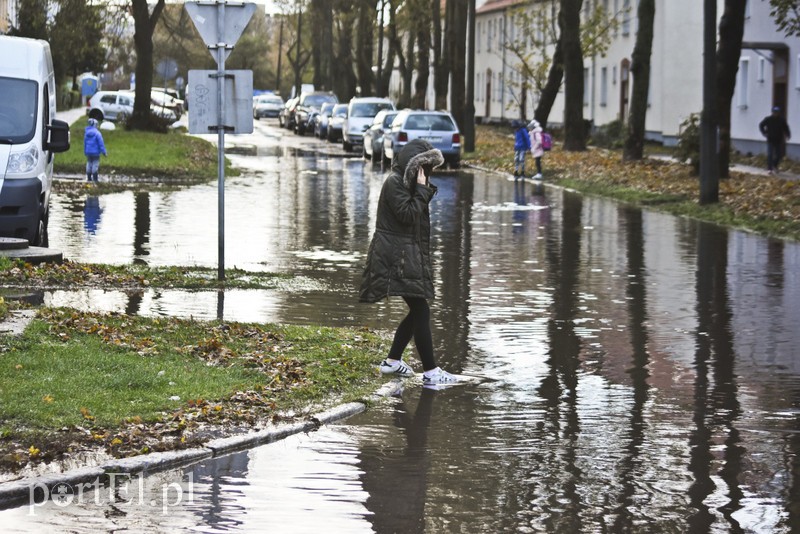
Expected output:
(399, 260)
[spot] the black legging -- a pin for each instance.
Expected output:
(417, 324)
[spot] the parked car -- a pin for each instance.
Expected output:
(286, 115)
(110, 105)
(439, 128)
(118, 106)
(336, 122)
(360, 112)
(267, 106)
(160, 99)
(309, 103)
(320, 122)
(373, 137)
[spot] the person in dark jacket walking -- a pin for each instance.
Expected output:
(776, 130)
(93, 147)
(399, 259)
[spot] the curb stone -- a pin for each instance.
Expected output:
(16, 493)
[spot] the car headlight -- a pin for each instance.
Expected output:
(23, 162)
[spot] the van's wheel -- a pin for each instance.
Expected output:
(122, 118)
(41, 239)
(96, 114)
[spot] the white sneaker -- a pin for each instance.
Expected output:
(397, 368)
(537, 176)
(439, 377)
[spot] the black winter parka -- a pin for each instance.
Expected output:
(399, 259)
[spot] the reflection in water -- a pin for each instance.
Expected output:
(397, 479)
(625, 398)
(91, 214)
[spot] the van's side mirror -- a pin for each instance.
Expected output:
(58, 138)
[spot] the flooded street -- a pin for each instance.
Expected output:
(644, 369)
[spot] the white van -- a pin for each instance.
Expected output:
(29, 136)
(360, 113)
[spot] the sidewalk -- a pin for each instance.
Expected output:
(744, 169)
(71, 115)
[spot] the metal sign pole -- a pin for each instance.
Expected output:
(221, 140)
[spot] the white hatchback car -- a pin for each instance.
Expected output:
(118, 106)
(360, 113)
(110, 105)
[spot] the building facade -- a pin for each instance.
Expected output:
(769, 69)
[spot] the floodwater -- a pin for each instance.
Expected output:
(645, 369)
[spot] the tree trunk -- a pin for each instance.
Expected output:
(550, 91)
(388, 65)
(407, 72)
(441, 70)
(731, 30)
(345, 79)
(458, 58)
(423, 24)
(640, 68)
(569, 23)
(322, 49)
(365, 35)
(144, 25)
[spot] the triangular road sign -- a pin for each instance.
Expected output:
(206, 19)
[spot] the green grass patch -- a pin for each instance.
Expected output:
(70, 274)
(132, 153)
(134, 384)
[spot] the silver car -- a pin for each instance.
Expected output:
(267, 106)
(373, 137)
(439, 128)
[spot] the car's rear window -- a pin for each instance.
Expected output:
(318, 100)
(368, 109)
(429, 122)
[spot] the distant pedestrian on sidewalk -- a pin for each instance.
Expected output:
(537, 149)
(93, 147)
(522, 144)
(399, 258)
(776, 130)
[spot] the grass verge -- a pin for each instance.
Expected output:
(75, 381)
(763, 204)
(17, 273)
(131, 153)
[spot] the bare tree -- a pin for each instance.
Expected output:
(731, 31)
(441, 69)
(144, 25)
(569, 23)
(640, 68)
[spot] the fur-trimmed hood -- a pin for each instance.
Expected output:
(414, 155)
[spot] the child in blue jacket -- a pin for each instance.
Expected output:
(93, 146)
(522, 144)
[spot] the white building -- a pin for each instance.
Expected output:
(766, 76)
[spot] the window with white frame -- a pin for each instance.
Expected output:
(478, 28)
(797, 74)
(513, 32)
(626, 17)
(586, 88)
(604, 86)
(614, 75)
(747, 9)
(762, 69)
(741, 84)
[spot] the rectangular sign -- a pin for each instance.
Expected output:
(201, 94)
